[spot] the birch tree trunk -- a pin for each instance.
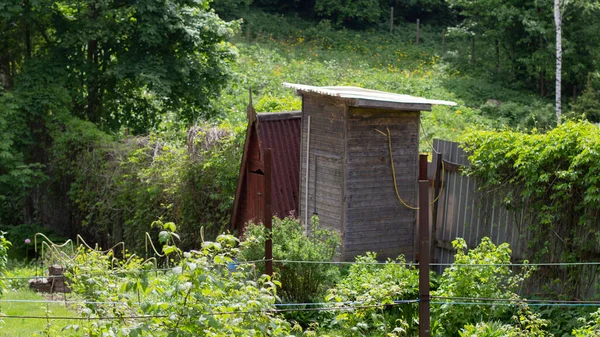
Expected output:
(558, 22)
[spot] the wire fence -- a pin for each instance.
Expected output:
(311, 306)
(407, 264)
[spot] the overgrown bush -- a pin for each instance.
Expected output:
(524, 324)
(373, 288)
(591, 326)
(300, 282)
(558, 179)
(117, 188)
(198, 296)
(477, 273)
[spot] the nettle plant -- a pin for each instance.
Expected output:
(372, 288)
(198, 296)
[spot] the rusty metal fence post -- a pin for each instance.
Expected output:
(424, 253)
(268, 213)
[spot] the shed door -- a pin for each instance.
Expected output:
(256, 200)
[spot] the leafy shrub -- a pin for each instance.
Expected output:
(300, 282)
(371, 284)
(198, 295)
(486, 329)
(489, 280)
(524, 324)
(558, 175)
(118, 188)
(4, 245)
(591, 326)
(587, 105)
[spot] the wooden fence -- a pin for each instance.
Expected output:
(464, 211)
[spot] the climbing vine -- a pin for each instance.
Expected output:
(557, 176)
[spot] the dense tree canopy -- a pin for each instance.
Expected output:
(116, 63)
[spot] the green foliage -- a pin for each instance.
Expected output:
(19, 235)
(525, 324)
(563, 320)
(198, 294)
(591, 326)
(487, 329)
(119, 188)
(487, 281)
(4, 246)
(371, 284)
(300, 282)
(351, 12)
(20, 270)
(588, 105)
(558, 173)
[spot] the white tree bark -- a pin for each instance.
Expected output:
(558, 23)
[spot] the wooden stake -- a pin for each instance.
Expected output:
(248, 33)
(424, 291)
(391, 19)
(444, 42)
(418, 34)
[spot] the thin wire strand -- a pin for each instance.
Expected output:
(538, 304)
(408, 264)
(59, 301)
(337, 308)
(515, 300)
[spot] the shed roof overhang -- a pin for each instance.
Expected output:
(368, 98)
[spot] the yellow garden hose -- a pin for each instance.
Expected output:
(389, 136)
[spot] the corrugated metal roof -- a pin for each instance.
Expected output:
(366, 94)
(281, 132)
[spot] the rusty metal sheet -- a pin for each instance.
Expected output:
(281, 132)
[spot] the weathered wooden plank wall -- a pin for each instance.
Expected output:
(325, 161)
(375, 219)
(465, 211)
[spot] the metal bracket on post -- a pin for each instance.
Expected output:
(268, 213)
(424, 253)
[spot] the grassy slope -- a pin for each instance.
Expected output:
(287, 49)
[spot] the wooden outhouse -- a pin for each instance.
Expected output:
(359, 164)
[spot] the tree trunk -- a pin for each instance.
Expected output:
(558, 22)
(6, 79)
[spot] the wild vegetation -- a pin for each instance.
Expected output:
(121, 118)
(214, 290)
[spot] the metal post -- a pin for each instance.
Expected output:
(436, 195)
(268, 214)
(424, 295)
